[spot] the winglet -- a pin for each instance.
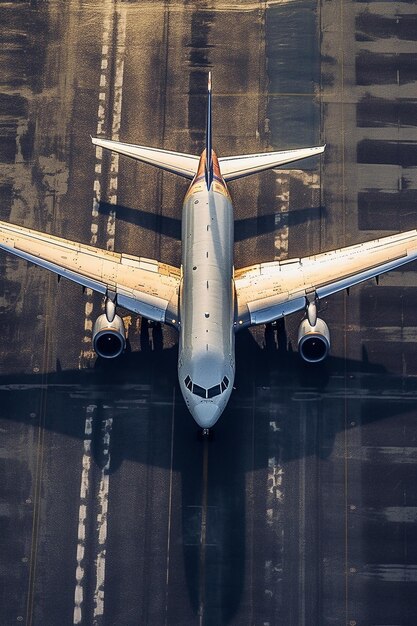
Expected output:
(209, 158)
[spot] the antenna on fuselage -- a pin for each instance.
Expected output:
(209, 158)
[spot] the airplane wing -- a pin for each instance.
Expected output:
(268, 291)
(176, 162)
(239, 166)
(141, 285)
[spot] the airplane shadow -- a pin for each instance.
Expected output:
(245, 228)
(138, 389)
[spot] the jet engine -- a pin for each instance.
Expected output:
(109, 337)
(313, 341)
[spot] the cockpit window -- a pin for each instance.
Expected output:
(188, 382)
(216, 390)
(199, 391)
(225, 383)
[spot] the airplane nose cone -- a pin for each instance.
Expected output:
(206, 414)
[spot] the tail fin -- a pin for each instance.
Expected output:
(209, 157)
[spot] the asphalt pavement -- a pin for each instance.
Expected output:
(301, 509)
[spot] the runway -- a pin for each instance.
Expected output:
(301, 509)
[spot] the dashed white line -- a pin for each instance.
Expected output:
(82, 515)
(281, 216)
(117, 115)
(103, 501)
(102, 497)
(312, 180)
(120, 16)
(111, 225)
(87, 353)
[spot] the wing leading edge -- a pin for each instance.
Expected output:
(141, 285)
(268, 291)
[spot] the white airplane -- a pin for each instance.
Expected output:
(206, 299)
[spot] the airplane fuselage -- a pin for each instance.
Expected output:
(206, 360)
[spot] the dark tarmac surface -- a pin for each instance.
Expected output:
(302, 507)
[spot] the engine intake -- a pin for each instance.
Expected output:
(313, 341)
(109, 338)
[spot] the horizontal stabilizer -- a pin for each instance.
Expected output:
(239, 166)
(176, 162)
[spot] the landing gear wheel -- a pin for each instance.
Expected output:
(206, 432)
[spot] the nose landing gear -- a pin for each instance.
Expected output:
(205, 432)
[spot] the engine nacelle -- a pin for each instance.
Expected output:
(313, 341)
(109, 338)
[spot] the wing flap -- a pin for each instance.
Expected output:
(176, 162)
(268, 291)
(239, 166)
(142, 285)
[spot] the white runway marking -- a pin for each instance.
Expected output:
(312, 181)
(117, 114)
(86, 352)
(110, 15)
(103, 501)
(103, 104)
(82, 515)
(281, 216)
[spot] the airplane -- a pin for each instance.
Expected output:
(207, 299)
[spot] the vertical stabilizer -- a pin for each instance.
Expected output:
(209, 157)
